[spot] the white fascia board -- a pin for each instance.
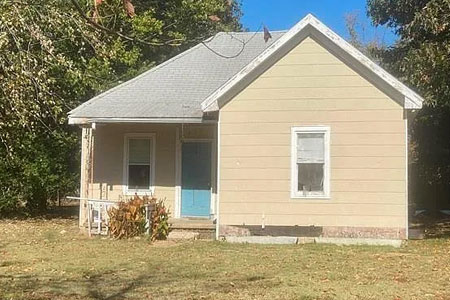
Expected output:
(81, 121)
(78, 121)
(412, 99)
(413, 103)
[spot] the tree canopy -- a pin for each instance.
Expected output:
(56, 54)
(421, 57)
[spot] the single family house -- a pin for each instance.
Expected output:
(298, 135)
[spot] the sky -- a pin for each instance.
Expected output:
(283, 14)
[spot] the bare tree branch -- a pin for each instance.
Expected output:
(121, 35)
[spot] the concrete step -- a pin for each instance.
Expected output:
(191, 223)
(192, 228)
(183, 235)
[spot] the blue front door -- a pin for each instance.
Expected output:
(196, 179)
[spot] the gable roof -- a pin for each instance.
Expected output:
(174, 90)
(310, 26)
(205, 77)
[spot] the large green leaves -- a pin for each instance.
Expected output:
(53, 57)
(422, 58)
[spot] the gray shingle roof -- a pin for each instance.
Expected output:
(177, 87)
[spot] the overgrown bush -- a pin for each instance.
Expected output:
(160, 221)
(129, 219)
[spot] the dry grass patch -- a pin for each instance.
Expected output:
(49, 259)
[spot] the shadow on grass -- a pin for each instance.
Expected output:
(93, 291)
(62, 212)
(109, 285)
(69, 212)
(95, 287)
(433, 226)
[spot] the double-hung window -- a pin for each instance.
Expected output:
(139, 164)
(310, 162)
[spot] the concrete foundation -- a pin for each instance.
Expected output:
(288, 240)
(315, 231)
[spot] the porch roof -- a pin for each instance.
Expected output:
(175, 89)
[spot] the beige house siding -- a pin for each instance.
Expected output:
(109, 158)
(310, 86)
(108, 167)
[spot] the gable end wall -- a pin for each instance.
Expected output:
(310, 86)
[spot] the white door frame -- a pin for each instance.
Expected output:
(178, 172)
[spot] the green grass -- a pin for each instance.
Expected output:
(41, 259)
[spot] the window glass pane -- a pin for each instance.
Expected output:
(139, 151)
(139, 177)
(310, 147)
(310, 177)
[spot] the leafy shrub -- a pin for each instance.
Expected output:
(127, 220)
(160, 221)
(42, 78)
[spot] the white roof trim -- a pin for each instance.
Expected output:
(411, 99)
(81, 121)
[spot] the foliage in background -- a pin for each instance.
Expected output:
(421, 57)
(160, 221)
(53, 57)
(358, 37)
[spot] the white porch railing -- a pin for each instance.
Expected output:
(97, 214)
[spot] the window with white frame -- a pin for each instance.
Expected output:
(139, 163)
(310, 162)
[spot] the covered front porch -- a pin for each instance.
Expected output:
(174, 162)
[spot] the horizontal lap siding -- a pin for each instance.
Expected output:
(277, 162)
(339, 151)
(341, 127)
(359, 220)
(373, 139)
(320, 209)
(313, 116)
(307, 87)
(108, 160)
(280, 185)
(265, 196)
(309, 104)
(310, 82)
(338, 174)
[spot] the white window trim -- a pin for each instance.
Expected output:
(295, 194)
(151, 190)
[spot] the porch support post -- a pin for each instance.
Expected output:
(218, 179)
(407, 177)
(177, 206)
(87, 141)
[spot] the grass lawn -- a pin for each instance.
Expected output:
(49, 259)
